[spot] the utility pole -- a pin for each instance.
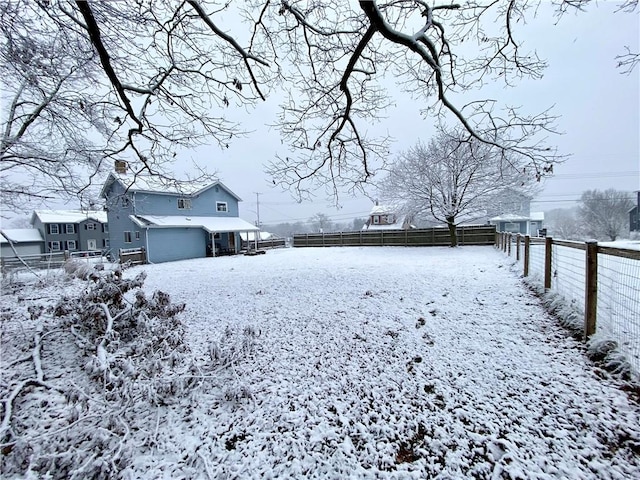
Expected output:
(258, 218)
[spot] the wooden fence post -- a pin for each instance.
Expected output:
(591, 289)
(527, 245)
(518, 236)
(504, 242)
(509, 244)
(548, 245)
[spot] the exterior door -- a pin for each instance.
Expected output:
(232, 243)
(91, 244)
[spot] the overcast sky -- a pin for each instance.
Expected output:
(599, 110)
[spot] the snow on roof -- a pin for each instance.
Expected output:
(510, 218)
(155, 184)
(69, 216)
(252, 236)
(397, 225)
(21, 235)
(210, 224)
(537, 216)
(383, 209)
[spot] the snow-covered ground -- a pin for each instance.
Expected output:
(386, 363)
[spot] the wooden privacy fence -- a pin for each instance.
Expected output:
(133, 256)
(418, 237)
(263, 244)
(601, 283)
(40, 261)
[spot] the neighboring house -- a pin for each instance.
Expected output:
(634, 215)
(511, 212)
(72, 230)
(26, 241)
(172, 221)
(526, 225)
(386, 217)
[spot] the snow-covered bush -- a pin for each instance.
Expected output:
(97, 359)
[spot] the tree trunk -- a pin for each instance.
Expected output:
(451, 223)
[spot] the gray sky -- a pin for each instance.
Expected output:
(599, 109)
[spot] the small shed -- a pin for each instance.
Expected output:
(25, 241)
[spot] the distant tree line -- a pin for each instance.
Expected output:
(599, 215)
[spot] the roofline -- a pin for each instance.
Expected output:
(115, 178)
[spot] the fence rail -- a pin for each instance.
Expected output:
(422, 237)
(264, 244)
(40, 261)
(133, 256)
(600, 283)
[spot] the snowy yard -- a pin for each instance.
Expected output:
(386, 363)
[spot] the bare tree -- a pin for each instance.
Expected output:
(605, 214)
(565, 223)
(452, 179)
(89, 82)
(320, 223)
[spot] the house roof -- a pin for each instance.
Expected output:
(399, 224)
(69, 216)
(383, 209)
(210, 224)
(510, 218)
(21, 235)
(252, 236)
(507, 217)
(155, 184)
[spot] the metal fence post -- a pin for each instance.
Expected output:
(591, 289)
(527, 253)
(548, 245)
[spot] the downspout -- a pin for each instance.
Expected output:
(146, 239)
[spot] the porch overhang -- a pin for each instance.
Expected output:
(210, 224)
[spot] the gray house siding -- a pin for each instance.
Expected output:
(203, 204)
(184, 243)
(71, 236)
(22, 248)
(513, 227)
(165, 244)
(119, 208)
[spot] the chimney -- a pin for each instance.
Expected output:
(120, 166)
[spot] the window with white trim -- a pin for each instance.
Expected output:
(184, 203)
(71, 245)
(512, 227)
(221, 207)
(105, 227)
(137, 235)
(54, 246)
(70, 228)
(125, 201)
(54, 229)
(127, 237)
(376, 219)
(90, 226)
(105, 242)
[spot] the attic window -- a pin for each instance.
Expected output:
(184, 203)
(221, 207)
(125, 201)
(376, 219)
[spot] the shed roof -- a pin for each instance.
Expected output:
(69, 216)
(21, 235)
(210, 224)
